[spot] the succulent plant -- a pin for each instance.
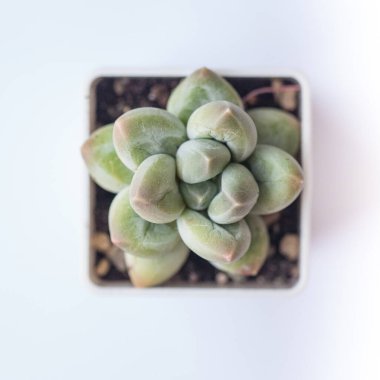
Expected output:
(195, 177)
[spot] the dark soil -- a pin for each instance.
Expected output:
(112, 96)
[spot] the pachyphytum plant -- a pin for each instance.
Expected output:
(195, 177)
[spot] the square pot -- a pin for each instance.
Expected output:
(112, 95)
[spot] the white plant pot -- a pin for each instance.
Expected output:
(305, 198)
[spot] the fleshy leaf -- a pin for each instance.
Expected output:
(277, 128)
(211, 241)
(201, 87)
(136, 235)
(142, 132)
(227, 123)
(254, 258)
(154, 192)
(198, 196)
(103, 164)
(201, 159)
(279, 176)
(151, 271)
(238, 193)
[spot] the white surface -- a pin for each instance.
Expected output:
(54, 326)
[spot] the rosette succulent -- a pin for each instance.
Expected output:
(195, 177)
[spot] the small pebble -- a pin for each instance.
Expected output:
(119, 86)
(271, 218)
(193, 277)
(295, 272)
(103, 267)
(238, 279)
(116, 110)
(289, 246)
(100, 241)
(159, 94)
(221, 278)
(116, 256)
(288, 100)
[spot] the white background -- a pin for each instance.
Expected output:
(54, 325)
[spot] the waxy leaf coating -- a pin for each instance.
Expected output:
(276, 127)
(102, 162)
(200, 160)
(154, 270)
(137, 236)
(254, 258)
(279, 176)
(238, 193)
(142, 132)
(227, 123)
(154, 191)
(201, 87)
(212, 241)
